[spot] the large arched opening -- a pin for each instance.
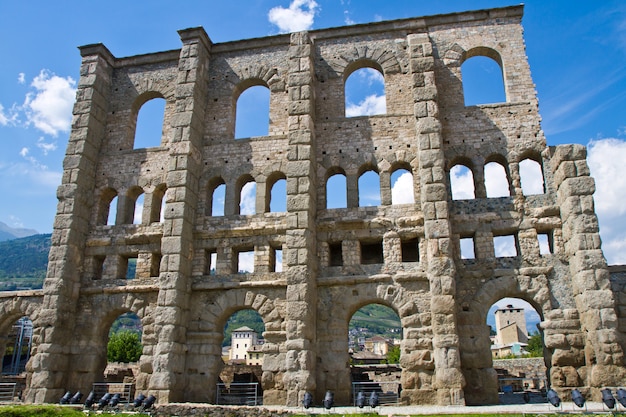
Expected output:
(374, 337)
(242, 354)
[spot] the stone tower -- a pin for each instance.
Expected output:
(510, 316)
(335, 260)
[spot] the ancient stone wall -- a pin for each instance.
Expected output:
(337, 260)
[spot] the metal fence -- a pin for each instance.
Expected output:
(387, 391)
(239, 394)
(126, 391)
(7, 391)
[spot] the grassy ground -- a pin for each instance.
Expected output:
(39, 411)
(45, 411)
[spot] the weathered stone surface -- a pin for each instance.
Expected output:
(334, 260)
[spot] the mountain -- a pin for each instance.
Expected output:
(8, 233)
(23, 262)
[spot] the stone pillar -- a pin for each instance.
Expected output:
(448, 380)
(604, 356)
(169, 378)
(52, 365)
(301, 252)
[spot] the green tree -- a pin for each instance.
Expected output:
(535, 346)
(124, 346)
(393, 355)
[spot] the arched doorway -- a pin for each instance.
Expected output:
(242, 353)
(374, 337)
(517, 351)
(18, 344)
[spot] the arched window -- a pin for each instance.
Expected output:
(531, 177)
(247, 197)
(216, 197)
(107, 207)
(336, 191)
(462, 183)
(365, 92)
(138, 216)
(369, 189)
(277, 195)
(157, 209)
(149, 127)
(402, 187)
(496, 181)
(133, 207)
(252, 114)
(112, 212)
(483, 81)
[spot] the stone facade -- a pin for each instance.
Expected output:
(442, 299)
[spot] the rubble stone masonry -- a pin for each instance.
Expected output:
(337, 260)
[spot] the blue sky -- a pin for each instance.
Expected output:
(576, 49)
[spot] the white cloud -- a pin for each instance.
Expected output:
(248, 199)
(24, 152)
(371, 105)
(4, 120)
(138, 210)
(467, 248)
(496, 182)
(46, 147)
(21, 78)
(298, 16)
(402, 189)
(531, 177)
(246, 261)
(606, 159)
(461, 183)
(33, 178)
(347, 19)
(504, 246)
(49, 108)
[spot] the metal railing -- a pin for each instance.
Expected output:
(387, 391)
(7, 391)
(126, 391)
(239, 394)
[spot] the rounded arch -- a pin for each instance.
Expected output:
(462, 179)
(533, 290)
(251, 105)
(362, 64)
(134, 205)
(368, 185)
(364, 89)
(245, 192)
(142, 99)
(228, 303)
(245, 84)
(147, 118)
(531, 173)
(335, 188)
(215, 200)
(107, 195)
(402, 183)
(483, 77)
(157, 209)
(482, 51)
(497, 176)
(275, 195)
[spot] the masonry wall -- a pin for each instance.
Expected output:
(442, 299)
